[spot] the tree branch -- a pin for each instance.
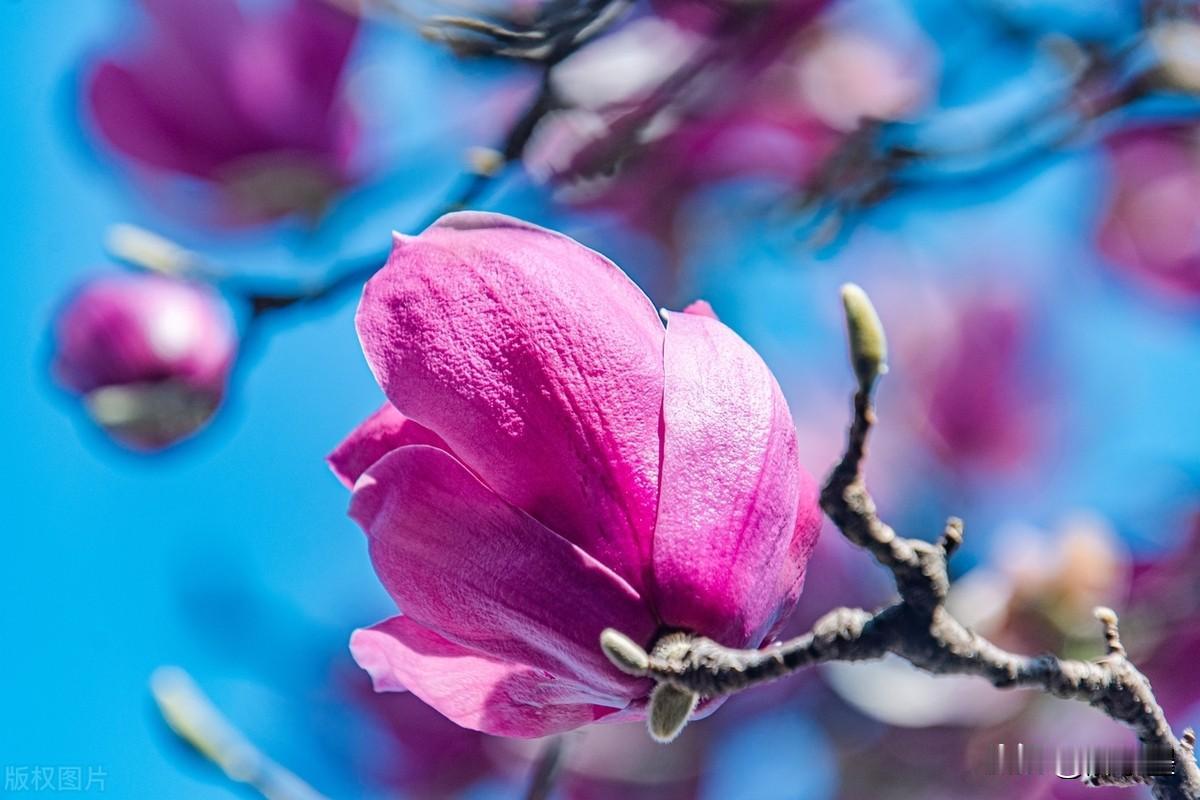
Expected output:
(917, 627)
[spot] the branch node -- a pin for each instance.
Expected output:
(952, 536)
(1112, 636)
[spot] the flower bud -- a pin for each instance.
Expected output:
(624, 653)
(868, 346)
(670, 708)
(150, 356)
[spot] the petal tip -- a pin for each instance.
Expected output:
(701, 308)
(371, 654)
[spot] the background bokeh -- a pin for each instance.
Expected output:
(1037, 389)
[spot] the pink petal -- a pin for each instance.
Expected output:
(540, 364)
(459, 560)
(320, 36)
(729, 548)
(202, 31)
(701, 307)
(474, 690)
(381, 433)
(287, 70)
(131, 122)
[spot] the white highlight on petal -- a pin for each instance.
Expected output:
(173, 329)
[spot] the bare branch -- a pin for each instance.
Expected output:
(918, 627)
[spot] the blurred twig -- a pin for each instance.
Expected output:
(559, 28)
(195, 720)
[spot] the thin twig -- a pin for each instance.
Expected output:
(194, 719)
(917, 627)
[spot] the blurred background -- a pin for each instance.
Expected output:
(1015, 182)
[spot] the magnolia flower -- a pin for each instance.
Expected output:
(553, 461)
(150, 355)
(252, 105)
(1151, 228)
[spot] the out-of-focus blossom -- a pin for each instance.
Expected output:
(420, 753)
(1151, 228)
(1165, 607)
(1057, 580)
(551, 462)
(252, 105)
(846, 77)
(973, 386)
(1177, 45)
(612, 762)
(660, 110)
(150, 355)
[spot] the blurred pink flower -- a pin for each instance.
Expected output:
(152, 355)
(1151, 228)
(552, 461)
(421, 753)
(772, 100)
(1166, 606)
(973, 384)
(252, 105)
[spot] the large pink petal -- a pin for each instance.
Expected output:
(472, 689)
(729, 548)
(540, 364)
(380, 434)
(459, 560)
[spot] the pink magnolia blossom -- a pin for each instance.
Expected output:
(1151, 228)
(150, 354)
(252, 105)
(553, 461)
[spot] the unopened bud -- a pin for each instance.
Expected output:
(624, 653)
(1177, 45)
(149, 356)
(151, 416)
(670, 708)
(868, 346)
(149, 251)
(485, 161)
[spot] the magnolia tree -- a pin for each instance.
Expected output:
(589, 510)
